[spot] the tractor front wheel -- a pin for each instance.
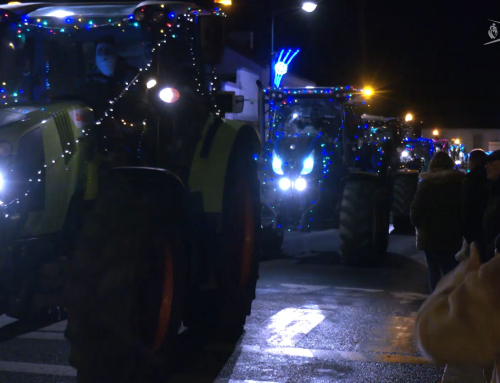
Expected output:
(127, 285)
(364, 220)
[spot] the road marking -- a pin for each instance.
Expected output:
(308, 288)
(395, 335)
(337, 355)
(40, 369)
(5, 320)
(56, 327)
(290, 325)
(359, 289)
(409, 297)
(43, 335)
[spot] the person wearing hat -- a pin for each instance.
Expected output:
(491, 217)
(435, 213)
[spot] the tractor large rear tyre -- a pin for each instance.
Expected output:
(404, 189)
(236, 250)
(127, 282)
(364, 221)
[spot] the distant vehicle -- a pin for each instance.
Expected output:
(324, 166)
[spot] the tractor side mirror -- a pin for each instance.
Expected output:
(228, 102)
(239, 104)
(212, 32)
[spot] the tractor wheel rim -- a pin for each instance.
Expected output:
(167, 288)
(244, 236)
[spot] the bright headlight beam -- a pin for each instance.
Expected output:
(300, 184)
(308, 165)
(405, 154)
(169, 95)
(2, 182)
(151, 83)
(285, 184)
(277, 165)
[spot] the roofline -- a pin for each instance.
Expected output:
(24, 8)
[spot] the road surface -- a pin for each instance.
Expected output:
(313, 321)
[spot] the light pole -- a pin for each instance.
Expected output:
(308, 6)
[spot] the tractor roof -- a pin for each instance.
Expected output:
(315, 90)
(92, 9)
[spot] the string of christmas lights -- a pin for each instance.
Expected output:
(188, 17)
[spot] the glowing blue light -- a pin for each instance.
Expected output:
(131, 17)
(171, 15)
(281, 65)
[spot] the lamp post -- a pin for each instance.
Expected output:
(308, 6)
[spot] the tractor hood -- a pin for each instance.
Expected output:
(11, 116)
(294, 149)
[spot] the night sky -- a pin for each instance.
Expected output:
(424, 57)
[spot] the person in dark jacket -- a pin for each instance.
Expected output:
(474, 197)
(491, 218)
(435, 213)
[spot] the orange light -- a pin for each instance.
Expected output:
(13, 2)
(224, 2)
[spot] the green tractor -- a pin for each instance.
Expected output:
(119, 171)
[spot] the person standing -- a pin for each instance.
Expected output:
(474, 196)
(435, 213)
(491, 218)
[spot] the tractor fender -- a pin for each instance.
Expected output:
(209, 166)
(92, 178)
(368, 177)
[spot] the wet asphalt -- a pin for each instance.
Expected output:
(314, 320)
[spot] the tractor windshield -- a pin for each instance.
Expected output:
(51, 55)
(307, 116)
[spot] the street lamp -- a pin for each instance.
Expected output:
(368, 91)
(435, 133)
(409, 117)
(308, 6)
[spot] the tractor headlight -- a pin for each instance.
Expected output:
(285, 184)
(300, 184)
(308, 165)
(277, 165)
(169, 95)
